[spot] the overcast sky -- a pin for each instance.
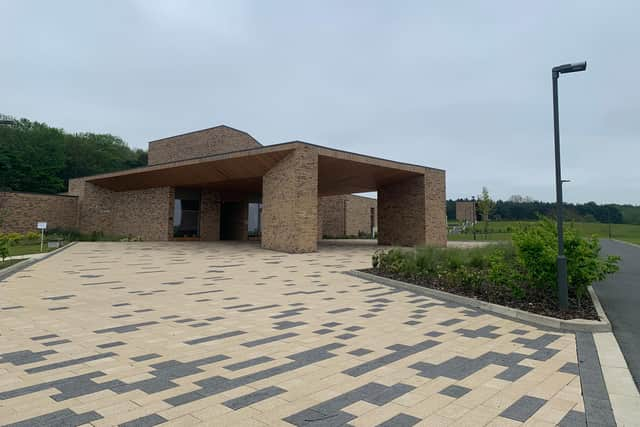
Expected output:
(459, 85)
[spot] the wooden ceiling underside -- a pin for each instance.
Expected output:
(338, 173)
(342, 176)
(233, 174)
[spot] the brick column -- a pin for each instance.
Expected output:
(436, 207)
(209, 215)
(413, 212)
(290, 203)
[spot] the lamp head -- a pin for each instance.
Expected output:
(570, 68)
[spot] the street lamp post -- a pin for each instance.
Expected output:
(563, 287)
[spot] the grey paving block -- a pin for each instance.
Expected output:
(398, 352)
(70, 362)
(215, 337)
(339, 310)
(254, 397)
(450, 322)
(400, 420)
(144, 357)
(360, 352)
(573, 419)
(24, 357)
(125, 328)
(56, 342)
(248, 363)
(455, 391)
(483, 332)
(44, 337)
(64, 417)
(518, 332)
(522, 409)
(538, 343)
(146, 421)
(286, 324)
(434, 334)
(570, 368)
(346, 336)
(111, 344)
(331, 324)
(268, 340)
(598, 411)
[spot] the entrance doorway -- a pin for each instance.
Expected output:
(233, 224)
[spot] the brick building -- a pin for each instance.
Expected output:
(222, 184)
(466, 211)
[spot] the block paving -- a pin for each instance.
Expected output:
(141, 334)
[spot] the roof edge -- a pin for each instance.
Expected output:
(206, 129)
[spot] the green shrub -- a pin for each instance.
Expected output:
(4, 247)
(537, 249)
(32, 235)
(526, 266)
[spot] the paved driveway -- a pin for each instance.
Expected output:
(620, 297)
(229, 334)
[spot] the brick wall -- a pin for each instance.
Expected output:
(413, 212)
(140, 213)
(359, 214)
(290, 203)
(346, 215)
(466, 211)
(19, 212)
(207, 142)
(331, 213)
(401, 213)
(143, 213)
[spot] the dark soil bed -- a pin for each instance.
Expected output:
(534, 300)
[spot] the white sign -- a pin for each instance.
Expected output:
(42, 225)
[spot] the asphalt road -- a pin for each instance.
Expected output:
(620, 298)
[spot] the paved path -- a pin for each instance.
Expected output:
(230, 334)
(620, 297)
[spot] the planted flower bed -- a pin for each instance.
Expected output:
(521, 274)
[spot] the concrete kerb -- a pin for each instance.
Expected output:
(574, 325)
(15, 268)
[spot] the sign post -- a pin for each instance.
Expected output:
(42, 225)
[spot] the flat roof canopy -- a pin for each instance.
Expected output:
(339, 172)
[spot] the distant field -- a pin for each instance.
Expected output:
(502, 230)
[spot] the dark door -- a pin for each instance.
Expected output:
(231, 221)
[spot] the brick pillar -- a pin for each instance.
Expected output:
(209, 215)
(436, 207)
(290, 203)
(413, 212)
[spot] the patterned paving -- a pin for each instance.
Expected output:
(140, 334)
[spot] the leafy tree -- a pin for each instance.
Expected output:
(37, 158)
(486, 206)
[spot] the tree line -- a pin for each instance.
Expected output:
(519, 208)
(35, 157)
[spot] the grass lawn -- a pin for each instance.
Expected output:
(26, 249)
(7, 263)
(502, 230)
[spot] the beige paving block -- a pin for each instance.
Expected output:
(453, 411)
(183, 421)
(502, 422)
(360, 408)
(478, 416)
(429, 406)
(378, 415)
